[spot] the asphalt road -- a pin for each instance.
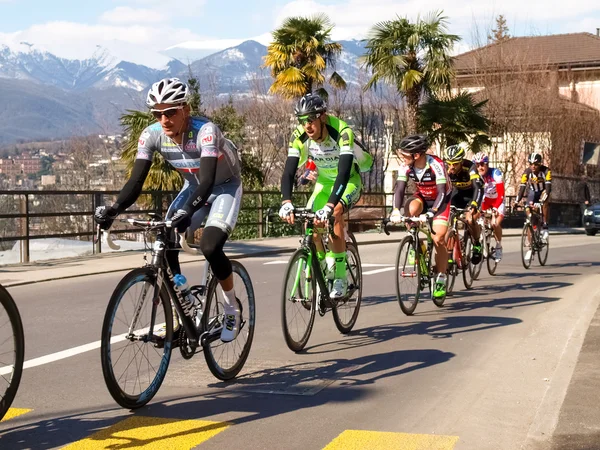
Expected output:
(489, 370)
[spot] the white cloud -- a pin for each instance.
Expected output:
(139, 44)
(353, 18)
(127, 15)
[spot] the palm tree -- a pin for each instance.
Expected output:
(300, 54)
(162, 176)
(450, 119)
(413, 57)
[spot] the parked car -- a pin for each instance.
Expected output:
(591, 219)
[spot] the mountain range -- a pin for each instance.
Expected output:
(52, 97)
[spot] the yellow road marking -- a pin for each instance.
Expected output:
(378, 440)
(14, 412)
(151, 433)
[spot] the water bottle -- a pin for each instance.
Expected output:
(182, 284)
(310, 166)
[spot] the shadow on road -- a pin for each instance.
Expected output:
(250, 397)
(443, 328)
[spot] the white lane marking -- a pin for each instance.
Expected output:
(372, 272)
(275, 262)
(68, 353)
(376, 265)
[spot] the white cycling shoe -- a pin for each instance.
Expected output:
(232, 318)
(339, 289)
(498, 253)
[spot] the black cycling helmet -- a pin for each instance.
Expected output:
(415, 143)
(535, 158)
(310, 104)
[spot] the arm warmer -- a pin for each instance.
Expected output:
(208, 170)
(341, 181)
(399, 193)
(287, 179)
(477, 191)
(441, 188)
(133, 187)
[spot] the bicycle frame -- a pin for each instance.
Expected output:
(159, 265)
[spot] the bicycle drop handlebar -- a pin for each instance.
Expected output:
(404, 220)
(148, 225)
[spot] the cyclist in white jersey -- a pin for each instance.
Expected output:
(210, 167)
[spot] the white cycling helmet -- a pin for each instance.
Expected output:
(171, 91)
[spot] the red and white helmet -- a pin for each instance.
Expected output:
(171, 91)
(481, 158)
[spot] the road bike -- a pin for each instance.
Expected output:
(12, 350)
(488, 242)
(458, 258)
(307, 286)
(531, 238)
(414, 273)
(147, 317)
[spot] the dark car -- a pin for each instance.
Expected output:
(591, 219)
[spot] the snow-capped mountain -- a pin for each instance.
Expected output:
(92, 93)
(100, 70)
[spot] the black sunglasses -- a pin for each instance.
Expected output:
(168, 113)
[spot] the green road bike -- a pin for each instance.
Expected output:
(414, 272)
(306, 287)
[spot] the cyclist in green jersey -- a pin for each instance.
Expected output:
(330, 143)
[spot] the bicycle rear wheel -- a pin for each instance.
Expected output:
(408, 275)
(226, 359)
(134, 363)
(467, 265)
(491, 262)
(345, 311)
(12, 350)
(527, 246)
(543, 249)
(299, 302)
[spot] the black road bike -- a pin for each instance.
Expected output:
(147, 317)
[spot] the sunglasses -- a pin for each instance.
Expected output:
(168, 113)
(481, 164)
(308, 119)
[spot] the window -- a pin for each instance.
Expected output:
(590, 153)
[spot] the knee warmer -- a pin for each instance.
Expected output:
(212, 243)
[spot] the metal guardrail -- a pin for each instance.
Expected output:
(37, 208)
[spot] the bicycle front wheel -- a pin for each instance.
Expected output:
(467, 265)
(134, 360)
(452, 266)
(491, 261)
(408, 275)
(298, 301)
(226, 359)
(345, 311)
(544, 247)
(12, 350)
(527, 246)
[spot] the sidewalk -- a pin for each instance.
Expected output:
(20, 274)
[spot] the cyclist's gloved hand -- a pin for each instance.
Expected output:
(473, 209)
(395, 216)
(538, 205)
(104, 216)
(181, 220)
(286, 209)
(324, 213)
(429, 215)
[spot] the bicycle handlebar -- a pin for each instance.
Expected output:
(148, 225)
(407, 219)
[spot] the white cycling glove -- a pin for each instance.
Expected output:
(429, 215)
(324, 213)
(286, 209)
(395, 217)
